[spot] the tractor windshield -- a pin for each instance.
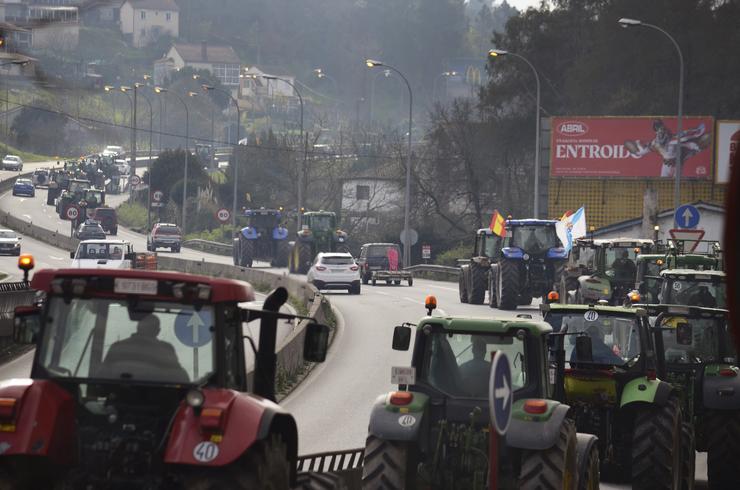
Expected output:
(459, 363)
(321, 223)
(109, 339)
(615, 340)
(693, 292)
(263, 221)
(620, 263)
(534, 239)
(689, 340)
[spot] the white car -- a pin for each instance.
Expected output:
(112, 151)
(103, 254)
(10, 242)
(12, 162)
(335, 271)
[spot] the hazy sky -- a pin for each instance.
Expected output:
(521, 4)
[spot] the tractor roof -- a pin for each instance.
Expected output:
(691, 272)
(531, 222)
(222, 290)
(683, 310)
(618, 242)
(319, 213)
(616, 310)
(261, 211)
(487, 325)
(379, 244)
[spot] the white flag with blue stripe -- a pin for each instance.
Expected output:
(571, 227)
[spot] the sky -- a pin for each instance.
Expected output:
(521, 4)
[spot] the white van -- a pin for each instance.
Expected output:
(103, 254)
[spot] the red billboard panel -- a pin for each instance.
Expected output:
(628, 147)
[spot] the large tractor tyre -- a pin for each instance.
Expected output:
(310, 480)
(387, 465)
(461, 287)
(492, 298)
(304, 257)
(508, 285)
(656, 447)
(478, 284)
(688, 453)
(264, 467)
(525, 299)
(282, 253)
(589, 480)
(552, 468)
(247, 253)
(723, 446)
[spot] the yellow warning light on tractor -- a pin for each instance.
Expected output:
(430, 303)
(26, 262)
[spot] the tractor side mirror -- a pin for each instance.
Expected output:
(584, 349)
(316, 342)
(401, 338)
(71, 255)
(684, 334)
(26, 324)
(130, 256)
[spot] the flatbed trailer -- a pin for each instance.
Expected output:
(392, 276)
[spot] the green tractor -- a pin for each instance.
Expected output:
(434, 432)
(602, 269)
(606, 370)
(690, 287)
(74, 193)
(318, 233)
(700, 362)
(474, 275)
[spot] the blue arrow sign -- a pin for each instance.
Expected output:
(687, 216)
(500, 393)
(193, 328)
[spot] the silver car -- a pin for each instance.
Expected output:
(10, 242)
(12, 162)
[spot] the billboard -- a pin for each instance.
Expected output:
(630, 147)
(727, 143)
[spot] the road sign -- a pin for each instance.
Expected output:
(193, 328)
(135, 180)
(500, 394)
(690, 238)
(413, 236)
(687, 216)
(157, 196)
(72, 213)
(223, 215)
(426, 251)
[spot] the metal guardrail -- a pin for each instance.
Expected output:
(335, 461)
(208, 246)
(434, 268)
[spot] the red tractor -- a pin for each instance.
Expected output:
(139, 381)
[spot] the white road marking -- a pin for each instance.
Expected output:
(56, 258)
(440, 287)
(27, 216)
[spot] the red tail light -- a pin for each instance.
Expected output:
(7, 408)
(211, 419)
(320, 268)
(728, 372)
(651, 374)
(535, 406)
(353, 268)
(401, 398)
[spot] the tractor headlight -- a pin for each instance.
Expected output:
(526, 257)
(195, 398)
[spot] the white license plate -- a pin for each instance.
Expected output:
(135, 286)
(403, 375)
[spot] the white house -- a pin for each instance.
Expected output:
(144, 21)
(41, 25)
(369, 198)
(220, 60)
(268, 95)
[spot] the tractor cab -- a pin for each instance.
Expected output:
(265, 237)
(319, 233)
(693, 288)
(487, 244)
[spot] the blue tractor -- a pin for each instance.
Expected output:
(264, 238)
(528, 265)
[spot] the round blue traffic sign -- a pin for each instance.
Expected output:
(687, 217)
(500, 393)
(193, 328)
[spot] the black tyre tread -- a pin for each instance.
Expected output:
(385, 465)
(688, 454)
(310, 480)
(553, 468)
(247, 253)
(508, 286)
(461, 288)
(656, 438)
(723, 446)
(304, 257)
(492, 299)
(235, 252)
(592, 476)
(411, 281)
(282, 253)
(479, 281)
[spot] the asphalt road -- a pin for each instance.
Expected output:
(332, 405)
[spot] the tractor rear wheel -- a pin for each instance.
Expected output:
(688, 453)
(310, 480)
(282, 253)
(461, 287)
(508, 284)
(304, 257)
(386, 465)
(235, 254)
(492, 298)
(265, 466)
(555, 467)
(591, 477)
(247, 253)
(723, 446)
(478, 283)
(656, 447)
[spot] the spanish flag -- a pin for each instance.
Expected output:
(498, 224)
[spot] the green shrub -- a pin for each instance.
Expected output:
(132, 216)
(450, 256)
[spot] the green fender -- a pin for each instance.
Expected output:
(538, 431)
(646, 391)
(398, 423)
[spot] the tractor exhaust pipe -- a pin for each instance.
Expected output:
(266, 362)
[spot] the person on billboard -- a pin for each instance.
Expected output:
(665, 143)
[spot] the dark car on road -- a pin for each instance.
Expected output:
(108, 219)
(90, 230)
(377, 257)
(24, 187)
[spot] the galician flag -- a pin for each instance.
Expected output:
(498, 224)
(571, 227)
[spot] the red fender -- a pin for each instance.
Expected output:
(246, 419)
(44, 421)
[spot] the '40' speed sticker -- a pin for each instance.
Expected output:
(591, 316)
(205, 452)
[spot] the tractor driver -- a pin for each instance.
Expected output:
(601, 353)
(624, 268)
(475, 373)
(116, 254)
(703, 298)
(142, 355)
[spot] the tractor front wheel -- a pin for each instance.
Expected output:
(554, 467)
(723, 446)
(508, 285)
(282, 253)
(304, 257)
(589, 480)
(492, 299)
(688, 453)
(656, 447)
(461, 287)
(247, 253)
(387, 465)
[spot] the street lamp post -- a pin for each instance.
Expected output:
(385, 73)
(493, 53)
(132, 169)
(626, 23)
(149, 184)
(305, 150)
(160, 90)
(236, 147)
(407, 197)
(135, 89)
